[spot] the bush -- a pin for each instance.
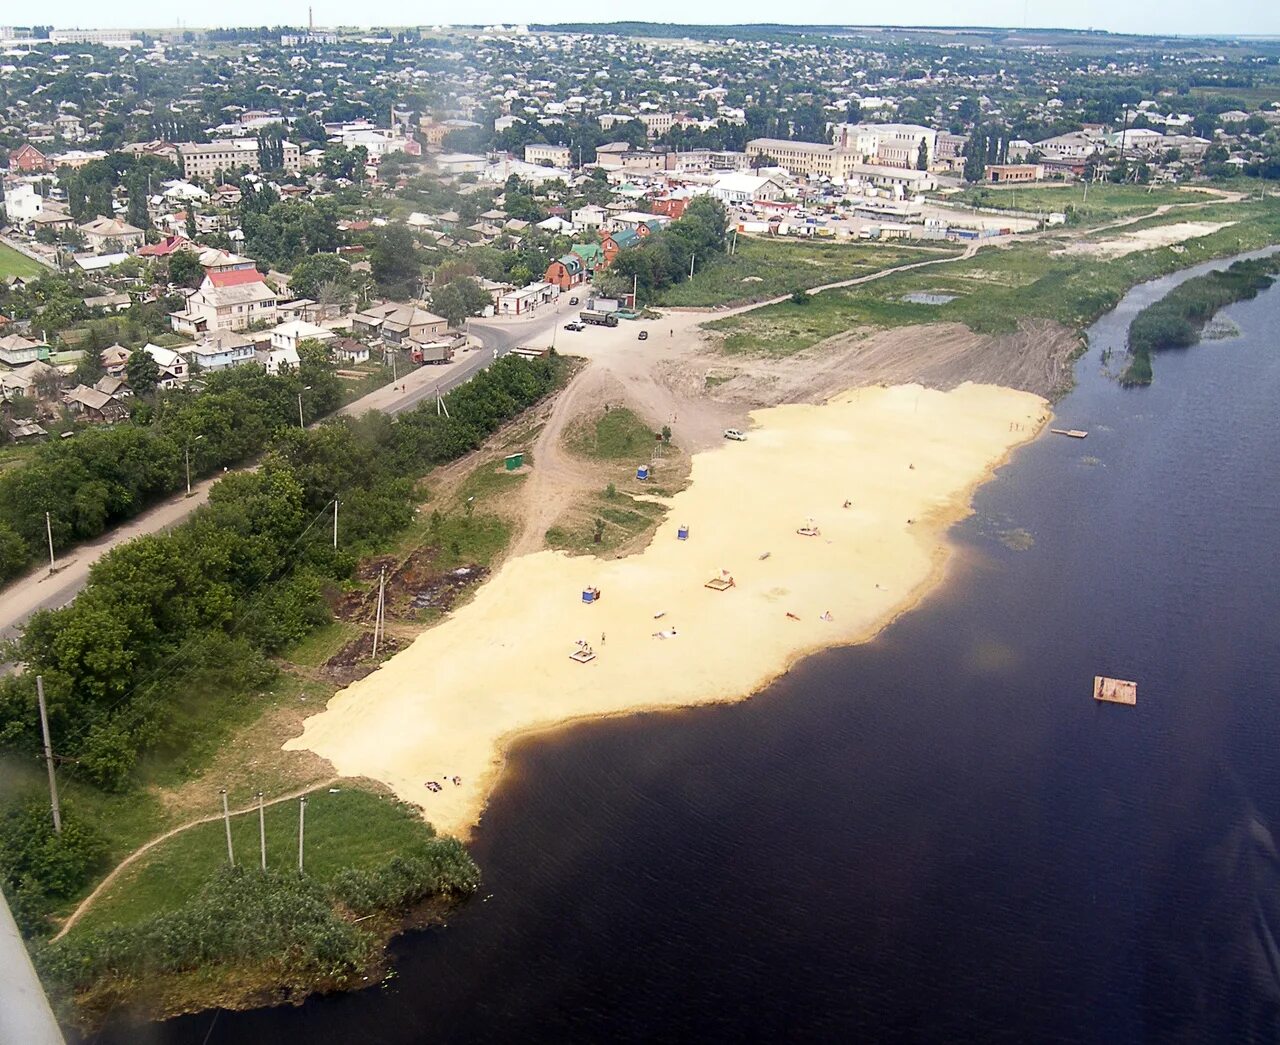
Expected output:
(38, 867)
(799, 297)
(442, 869)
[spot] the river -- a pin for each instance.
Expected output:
(938, 836)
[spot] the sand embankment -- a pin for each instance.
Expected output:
(450, 704)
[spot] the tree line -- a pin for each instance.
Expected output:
(107, 475)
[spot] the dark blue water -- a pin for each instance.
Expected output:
(938, 837)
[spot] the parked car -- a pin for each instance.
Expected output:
(573, 301)
(574, 326)
(734, 434)
(643, 335)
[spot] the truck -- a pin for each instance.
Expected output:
(598, 318)
(431, 354)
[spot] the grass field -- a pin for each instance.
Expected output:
(616, 435)
(352, 828)
(994, 289)
(1103, 203)
(14, 264)
(768, 268)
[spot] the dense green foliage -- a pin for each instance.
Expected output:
(38, 867)
(1176, 320)
(105, 475)
(441, 868)
(242, 578)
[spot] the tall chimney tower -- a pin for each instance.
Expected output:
(311, 22)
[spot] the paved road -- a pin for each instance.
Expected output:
(40, 589)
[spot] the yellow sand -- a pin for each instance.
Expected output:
(451, 703)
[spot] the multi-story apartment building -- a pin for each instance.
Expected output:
(205, 160)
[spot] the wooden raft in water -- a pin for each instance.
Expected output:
(1115, 691)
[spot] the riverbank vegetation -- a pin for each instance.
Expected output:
(995, 289)
(177, 631)
(1177, 319)
(184, 929)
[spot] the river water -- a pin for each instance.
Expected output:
(938, 836)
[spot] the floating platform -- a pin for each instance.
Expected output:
(583, 656)
(1074, 433)
(1114, 691)
(808, 531)
(719, 583)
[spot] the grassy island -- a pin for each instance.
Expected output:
(1177, 319)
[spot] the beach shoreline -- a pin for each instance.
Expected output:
(444, 748)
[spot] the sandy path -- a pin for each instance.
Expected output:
(909, 458)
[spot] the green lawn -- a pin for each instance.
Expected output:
(1104, 201)
(14, 264)
(616, 434)
(996, 288)
(352, 828)
(768, 268)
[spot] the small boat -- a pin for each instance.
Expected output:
(764, 555)
(1074, 433)
(659, 615)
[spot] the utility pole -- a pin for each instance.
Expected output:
(692, 257)
(226, 819)
(378, 614)
(48, 529)
(301, 423)
(262, 830)
(335, 524)
(48, 757)
(635, 289)
(302, 822)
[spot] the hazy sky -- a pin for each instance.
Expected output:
(1256, 17)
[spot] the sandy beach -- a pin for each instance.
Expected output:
(908, 460)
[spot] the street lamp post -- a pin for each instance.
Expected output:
(188, 456)
(301, 422)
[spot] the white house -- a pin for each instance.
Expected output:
(527, 299)
(174, 370)
(229, 299)
(590, 216)
(22, 203)
(276, 358)
(739, 187)
(291, 335)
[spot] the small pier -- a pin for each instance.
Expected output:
(1074, 433)
(1114, 691)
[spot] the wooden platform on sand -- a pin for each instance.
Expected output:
(1114, 691)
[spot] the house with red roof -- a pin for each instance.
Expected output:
(29, 160)
(228, 299)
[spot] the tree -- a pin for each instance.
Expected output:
(459, 299)
(922, 156)
(393, 259)
(191, 220)
(137, 214)
(185, 269)
(143, 373)
(317, 270)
